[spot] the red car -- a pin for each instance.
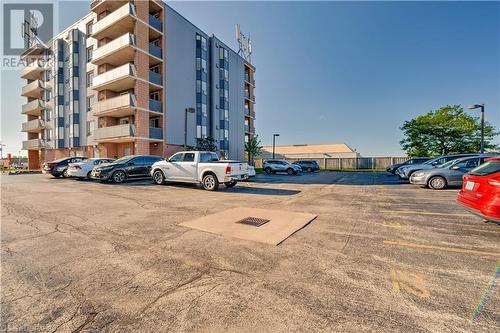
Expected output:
(480, 192)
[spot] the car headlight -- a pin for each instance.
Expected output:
(104, 169)
(419, 174)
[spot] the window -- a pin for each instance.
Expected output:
(188, 157)
(176, 158)
(90, 103)
(90, 51)
(124, 121)
(154, 122)
(154, 96)
(90, 78)
(208, 157)
(89, 28)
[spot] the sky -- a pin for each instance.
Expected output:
(332, 72)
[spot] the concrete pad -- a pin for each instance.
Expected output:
(281, 224)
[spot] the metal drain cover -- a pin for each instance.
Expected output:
(253, 221)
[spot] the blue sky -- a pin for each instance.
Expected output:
(348, 72)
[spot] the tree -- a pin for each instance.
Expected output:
(449, 130)
(207, 144)
(254, 148)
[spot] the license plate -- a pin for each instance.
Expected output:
(469, 185)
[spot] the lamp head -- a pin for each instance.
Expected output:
(190, 110)
(475, 106)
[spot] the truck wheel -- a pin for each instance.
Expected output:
(158, 177)
(210, 182)
(232, 183)
(290, 171)
(119, 177)
(268, 171)
(437, 183)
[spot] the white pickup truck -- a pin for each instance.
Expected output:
(199, 167)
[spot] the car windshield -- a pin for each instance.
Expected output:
(447, 164)
(487, 168)
(123, 159)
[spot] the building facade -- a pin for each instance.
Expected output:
(119, 81)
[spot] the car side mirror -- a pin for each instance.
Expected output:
(434, 163)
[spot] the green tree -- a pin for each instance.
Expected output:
(254, 148)
(206, 144)
(449, 130)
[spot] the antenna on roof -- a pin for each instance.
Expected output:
(245, 44)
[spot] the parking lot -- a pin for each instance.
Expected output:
(381, 256)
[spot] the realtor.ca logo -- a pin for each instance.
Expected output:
(25, 25)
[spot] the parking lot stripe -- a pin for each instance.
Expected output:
(441, 248)
(425, 213)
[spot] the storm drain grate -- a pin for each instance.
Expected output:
(253, 221)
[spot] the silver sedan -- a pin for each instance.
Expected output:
(448, 174)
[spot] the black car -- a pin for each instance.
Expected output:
(125, 168)
(417, 160)
(309, 166)
(58, 168)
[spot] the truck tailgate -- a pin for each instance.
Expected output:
(238, 169)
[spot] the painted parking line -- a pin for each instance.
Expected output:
(487, 293)
(441, 248)
(414, 212)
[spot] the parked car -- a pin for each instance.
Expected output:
(405, 172)
(199, 167)
(273, 166)
(58, 168)
(83, 169)
(251, 171)
(412, 161)
(125, 168)
(448, 174)
(480, 192)
(309, 166)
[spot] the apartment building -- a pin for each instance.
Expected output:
(119, 81)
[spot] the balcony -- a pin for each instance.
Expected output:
(33, 144)
(116, 23)
(247, 112)
(33, 108)
(156, 24)
(118, 79)
(118, 133)
(117, 52)
(155, 106)
(32, 72)
(119, 106)
(155, 78)
(156, 133)
(99, 6)
(155, 50)
(33, 126)
(249, 129)
(33, 89)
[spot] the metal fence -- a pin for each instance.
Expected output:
(348, 163)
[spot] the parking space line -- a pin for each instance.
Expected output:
(396, 225)
(425, 213)
(441, 248)
(486, 294)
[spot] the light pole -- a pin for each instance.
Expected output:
(274, 143)
(188, 110)
(480, 106)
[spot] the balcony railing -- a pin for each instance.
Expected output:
(155, 105)
(99, 6)
(114, 24)
(33, 144)
(35, 125)
(155, 133)
(33, 70)
(155, 23)
(116, 52)
(119, 79)
(155, 78)
(114, 132)
(33, 89)
(118, 103)
(33, 108)
(155, 50)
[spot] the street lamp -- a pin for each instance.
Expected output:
(274, 143)
(188, 110)
(480, 106)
